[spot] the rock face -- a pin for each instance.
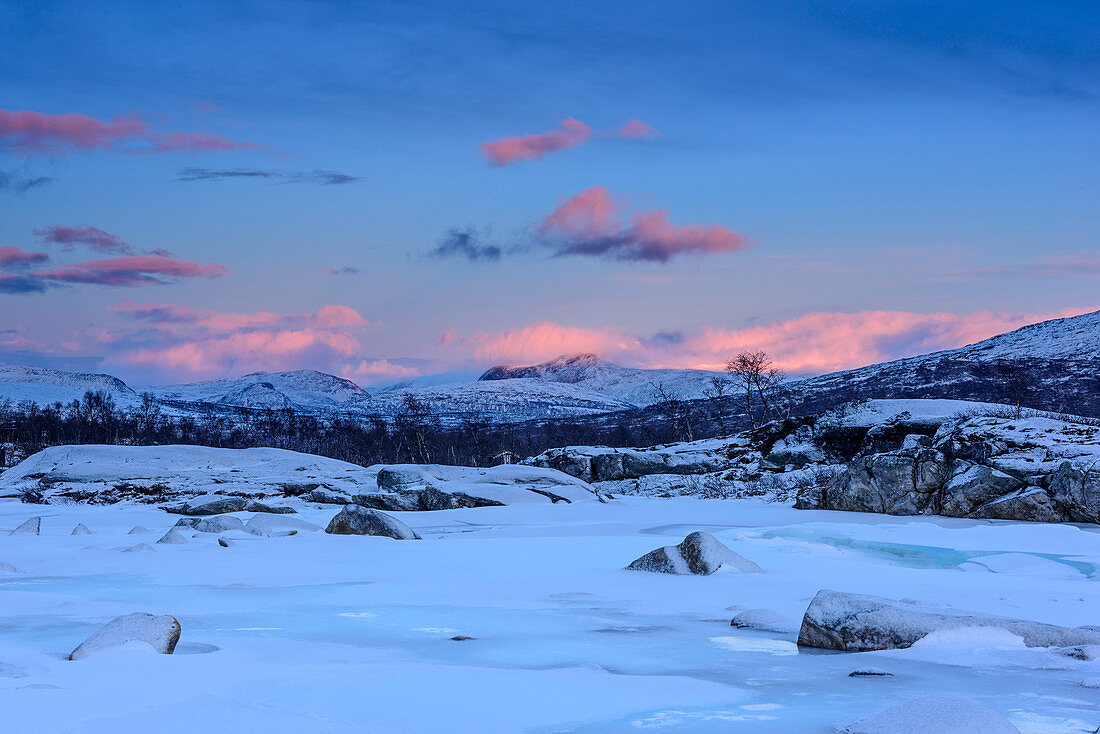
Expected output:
(28, 527)
(162, 633)
(857, 622)
(355, 520)
(699, 553)
(934, 715)
(219, 524)
(1037, 469)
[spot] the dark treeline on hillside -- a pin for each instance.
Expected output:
(414, 435)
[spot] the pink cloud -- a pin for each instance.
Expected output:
(38, 132)
(504, 151)
(592, 223)
(130, 270)
(814, 343)
(13, 257)
(197, 143)
(637, 129)
(572, 133)
(92, 237)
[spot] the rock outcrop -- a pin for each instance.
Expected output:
(699, 553)
(161, 633)
(857, 622)
(356, 520)
(1038, 469)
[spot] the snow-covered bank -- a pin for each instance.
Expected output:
(316, 632)
(158, 474)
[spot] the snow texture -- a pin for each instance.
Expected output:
(934, 715)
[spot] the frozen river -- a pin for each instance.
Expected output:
(320, 633)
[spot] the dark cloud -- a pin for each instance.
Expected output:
(465, 243)
(342, 270)
(324, 178)
(91, 237)
(22, 284)
(16, 184)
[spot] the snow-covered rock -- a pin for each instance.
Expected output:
(1032, 468)
(355, 520)
(161, 633)
(7, 568)
(438, 487)
(601, 463)
(836, 620)
(28, 527)
(139, 530)
(934, 715)
(81, 529)
(699, 553)
(870, 673)
(139, 548)
(219, 524)
(155, 474)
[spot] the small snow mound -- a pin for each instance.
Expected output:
(162, 633)
(8, 568)
(277, 525)
(29, 527)
(765, 620)
(934, 715)
(173, 536)
(139, 530)
(81, 529)
(139, 548)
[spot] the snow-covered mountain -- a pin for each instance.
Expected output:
(1061, 358)
(45, 387)
(306, 390)
(568, 386)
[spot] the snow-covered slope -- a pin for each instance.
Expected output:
(46, 387)
(307, 390)
(567, 386)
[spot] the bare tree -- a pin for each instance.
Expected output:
(414, 423)
(758, 379)
(716, 393)
(675, 411)
(1016, 380)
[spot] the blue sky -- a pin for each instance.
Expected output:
(906, 176)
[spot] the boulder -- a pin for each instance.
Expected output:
(224, 542)
(934, 715)
(219, 524)
(161, 633)
(255, 506)
(28, 527)
(173, 536)
(7, 568)
(81, 529)
(836, 620)
(357, 520)
(699, 553)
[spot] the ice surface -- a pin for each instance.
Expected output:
(934, 715)
(313, 632)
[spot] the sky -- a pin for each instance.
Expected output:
(390, 190)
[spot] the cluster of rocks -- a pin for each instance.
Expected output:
(1037, 469)
(902, 457)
